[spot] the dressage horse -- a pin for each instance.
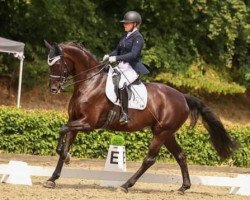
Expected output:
(166, 111)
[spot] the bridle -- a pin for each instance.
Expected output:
(63, 77)
(66, 76)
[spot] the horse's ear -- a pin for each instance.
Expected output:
(58, 50)
(48, 45)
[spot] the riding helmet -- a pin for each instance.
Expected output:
(132, 16)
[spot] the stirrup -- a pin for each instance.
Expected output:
(124, 119)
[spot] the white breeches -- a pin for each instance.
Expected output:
(128, 74)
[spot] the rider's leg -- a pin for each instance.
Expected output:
(123, 93)
(128, 76)
(116, 77)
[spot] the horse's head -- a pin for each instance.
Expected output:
(70, 59)
(59, 70)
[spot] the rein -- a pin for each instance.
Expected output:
(104, 64)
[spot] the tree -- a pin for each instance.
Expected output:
(190, 40)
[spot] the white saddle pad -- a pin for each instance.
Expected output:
(138, 99)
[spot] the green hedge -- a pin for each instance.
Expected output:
(36, 132)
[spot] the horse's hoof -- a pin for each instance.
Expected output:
(181, 192)
(182, 189)
(49, 184)
(122, 189)
(67, 159)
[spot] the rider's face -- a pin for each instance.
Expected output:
(128, 26)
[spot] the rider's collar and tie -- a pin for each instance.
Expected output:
(129, 33)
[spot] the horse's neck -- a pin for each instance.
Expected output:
(82, 63)
(85, 69)
(85, 73)
(88, 75)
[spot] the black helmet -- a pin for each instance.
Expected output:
(132, 16)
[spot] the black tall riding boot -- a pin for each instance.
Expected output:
(124, 105)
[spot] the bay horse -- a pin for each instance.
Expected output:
(166, 111)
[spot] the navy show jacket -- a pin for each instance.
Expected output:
(129, 50)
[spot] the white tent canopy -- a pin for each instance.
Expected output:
(16, 48)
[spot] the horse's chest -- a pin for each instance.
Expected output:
(83, 104)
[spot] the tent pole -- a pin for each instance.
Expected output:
(20, 83)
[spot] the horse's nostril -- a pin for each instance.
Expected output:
(53, 90)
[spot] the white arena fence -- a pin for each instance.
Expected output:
(239, 185)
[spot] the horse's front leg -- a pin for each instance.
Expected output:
(64, 146)
(77, 125)
(73, 126)
(61, 140)
(67, 136)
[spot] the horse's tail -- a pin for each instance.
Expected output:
(221, 140)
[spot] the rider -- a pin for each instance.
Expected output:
(127, 54)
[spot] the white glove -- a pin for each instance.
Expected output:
(112, 59)
(105, 57)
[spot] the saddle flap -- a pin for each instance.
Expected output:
(137, 93)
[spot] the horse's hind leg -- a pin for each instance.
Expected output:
(174, 148)
(69, 139)
(154, 149)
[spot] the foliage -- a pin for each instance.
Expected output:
(36, 132)
(209, 82)
(178, 34)
(117, 140)
(30, 132)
